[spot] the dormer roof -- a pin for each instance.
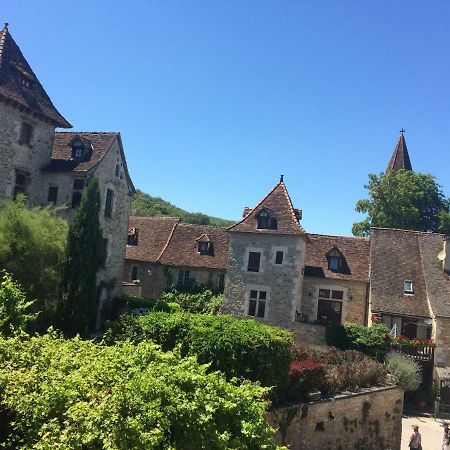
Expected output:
(20, 86)
(400, 157)
(278, 203)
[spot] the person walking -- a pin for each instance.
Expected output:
(446, 440)
(415, 441)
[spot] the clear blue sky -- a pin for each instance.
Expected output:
(215, 99)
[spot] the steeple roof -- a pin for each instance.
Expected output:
(279, 206)
(400, 157)
(20, 86)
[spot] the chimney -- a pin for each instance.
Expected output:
(446, 260)
(246, 211)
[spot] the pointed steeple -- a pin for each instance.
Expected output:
(274, 214)
(400, 157)
(20, 86)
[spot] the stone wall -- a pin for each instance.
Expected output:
(152, 278)
(202, 277)
(353, 304)
(282, 283)
(441, 335)
(27, 157)
(369, 420)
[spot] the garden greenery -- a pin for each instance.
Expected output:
(406, 372)
(238, 347)
(68, 394)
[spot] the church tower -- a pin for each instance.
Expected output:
(27, 124)
(400, 158)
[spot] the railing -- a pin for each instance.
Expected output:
(421, 352)
(441, 411)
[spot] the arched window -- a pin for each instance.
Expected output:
(263, 219)
(335, 260)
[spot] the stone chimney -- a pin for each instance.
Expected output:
(298, 214)
(246, 211)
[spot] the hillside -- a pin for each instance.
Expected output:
(146, 205)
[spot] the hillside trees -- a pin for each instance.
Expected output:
(32, 243)
(84, 257)
(406, 200)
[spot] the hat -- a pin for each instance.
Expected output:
(415, 426)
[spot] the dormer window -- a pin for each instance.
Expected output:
(26, 82)
(133, 236)
(408, 287)
(203, 247)
(77, 151)
(335, 260)
(263, 219)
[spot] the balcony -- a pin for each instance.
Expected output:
(418, 349)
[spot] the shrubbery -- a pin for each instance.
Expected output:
(239, 348)
(373, 341)
(203, 302)
(406, 371)
(74, 394)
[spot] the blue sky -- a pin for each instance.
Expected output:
(216, 99)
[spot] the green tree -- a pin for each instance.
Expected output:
(32, 243)
(406, 200)
(84, 257)
(13, 306)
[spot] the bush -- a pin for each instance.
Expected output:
(305, 376)
(373, 341)
(13, 306)
(238, 347)
(133, 302)
(203, 302)
(406, 372)
(73, 394)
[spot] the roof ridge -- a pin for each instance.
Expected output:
(87, 132)
(200, 225)
(4, 33)
(154, 217)
(339, 236)
(168, 241)
(430, 233)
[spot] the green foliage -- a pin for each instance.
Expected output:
(239, 348)
(146, 205)
(84, 257)
(406, 372)
(14, 308)
(133, 302)
(406, 200)
(74, 394)
(32, 243)
(203, 302)
(373, 341)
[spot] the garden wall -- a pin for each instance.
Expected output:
(369, 420)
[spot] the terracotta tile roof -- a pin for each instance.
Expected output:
(355, 251)
(401, 255)
(279, 205)
(154, 234)
(182, 249)
(62, 152)
(400, 157)
(15, 73)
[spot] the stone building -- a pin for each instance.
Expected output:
(163, 252)
(51, 167)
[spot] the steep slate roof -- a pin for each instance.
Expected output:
(279, 204)
(400, 255)
(154, 234)
(182, 249)
(14, 68)
(167, 241)
(400, 157)
(355, 251)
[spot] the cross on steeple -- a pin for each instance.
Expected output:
(402, 131)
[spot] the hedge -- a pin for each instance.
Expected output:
(74, 394)
(237, 347)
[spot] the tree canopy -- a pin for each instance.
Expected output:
(84, 257)
(405, 200)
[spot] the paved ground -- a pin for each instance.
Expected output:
(429, 428)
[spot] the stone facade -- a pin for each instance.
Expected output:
(441, 335)
(369, 420)
(281, 282)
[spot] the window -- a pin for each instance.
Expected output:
(26, 82)
(78, 186)
(21, 184)
(263, 219)
(135, 273)
(105, 251)
(52, 194)
(334, 261)
(117, 172)
(133, 236)
(203, 248)
(329, 308)
(26, 132)
(279, 258)
(220, 282)
(77, 151)
(109, 203)
(254, 259)
(408, 287)
(257, 303)
(183, 277)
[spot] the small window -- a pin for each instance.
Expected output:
(105, 250)
(203, 248)
(337, 295)
(21, 184)
(78, 184)
(221, 282)
(26, 132)
(76, 199)
(109, 203)
(52, 194)
(408, 287)
(279, 258)
(77, 151)
(263, 219)
(254, 259)
(325, 293)
(117, 170)
(26, 82)
(184, 277)
(257, 303)
(134, 273)
(133, 236)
